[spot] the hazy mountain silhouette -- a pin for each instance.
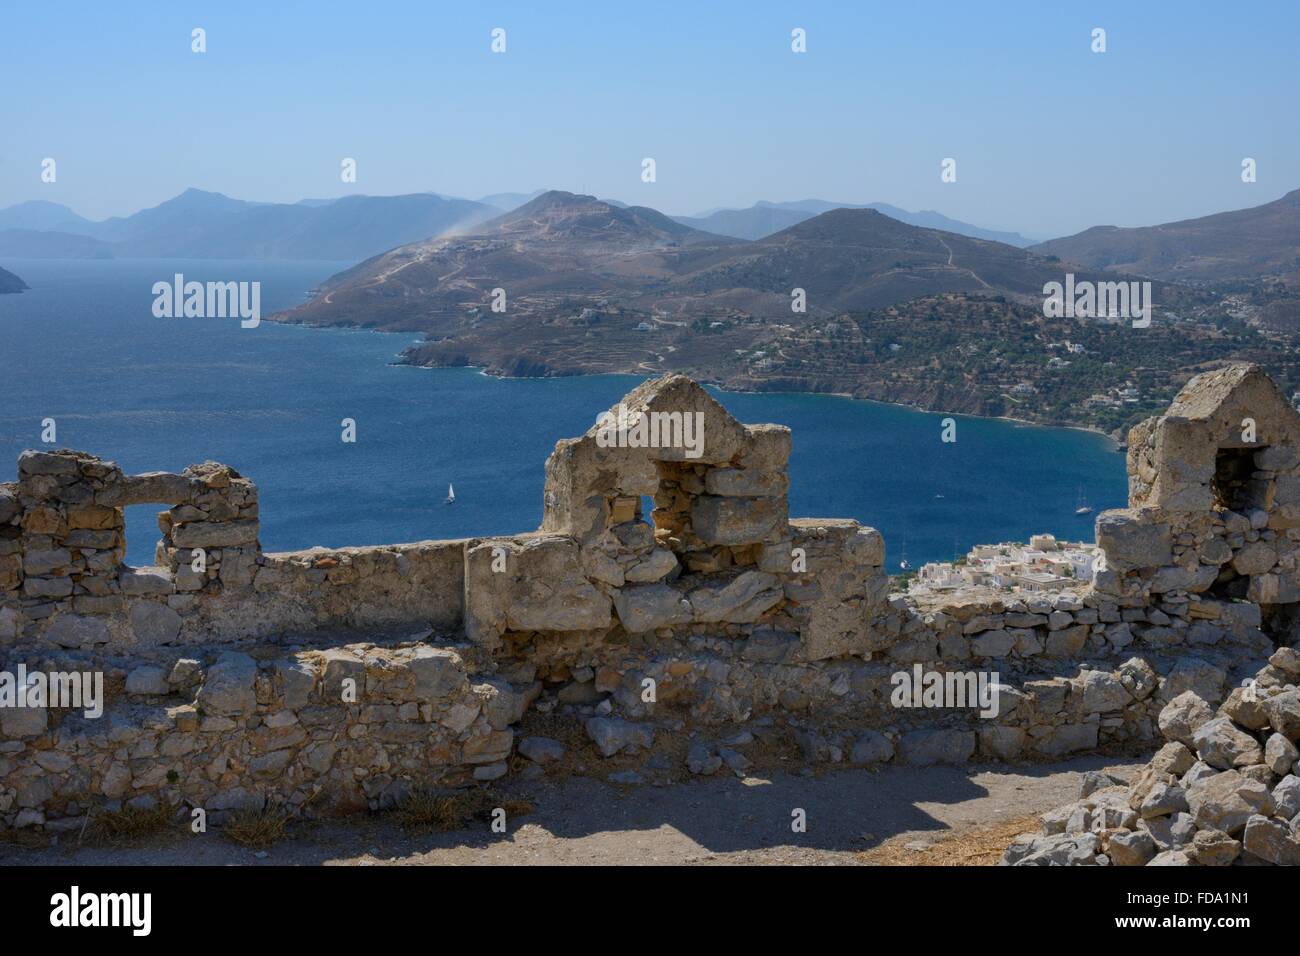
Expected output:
(765, 218)
(207, 225)
(46, 216)
(35, 244)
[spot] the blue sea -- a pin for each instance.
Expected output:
(83, 347)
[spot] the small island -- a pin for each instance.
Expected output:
(10, 282)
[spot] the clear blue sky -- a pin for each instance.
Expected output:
(1049, 137)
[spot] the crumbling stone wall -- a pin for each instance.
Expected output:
(722, 556)
(1209, 543)
(224, 730)
(1214, 499)
(62, 580)
(225, 676)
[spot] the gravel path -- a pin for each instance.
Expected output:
(718, 820)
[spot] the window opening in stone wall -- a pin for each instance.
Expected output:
(1233, 468)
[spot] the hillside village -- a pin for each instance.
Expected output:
(1043, 565)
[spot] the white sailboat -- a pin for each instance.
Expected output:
(1082, 508)
(451, 495)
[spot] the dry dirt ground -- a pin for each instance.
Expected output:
(895, 815)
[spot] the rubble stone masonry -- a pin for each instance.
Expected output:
(341, 679)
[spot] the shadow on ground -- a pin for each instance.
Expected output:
(582, 820)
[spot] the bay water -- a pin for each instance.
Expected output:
(82, 347)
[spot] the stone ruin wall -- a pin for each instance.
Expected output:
(1214, 527)
(226, 686)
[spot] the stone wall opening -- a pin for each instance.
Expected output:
(140, 525)
(1281, 622)
(1230, 586)
(1233, 471)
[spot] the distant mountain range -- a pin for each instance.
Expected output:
(206, 225)
(10, 283)
(584, 280)
(1249, 243)
(210, 225)
(765, 218)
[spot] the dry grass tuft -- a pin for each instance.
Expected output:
(27, 839)
(445, 810)
(130, 824)
(981, 846)
(432, 810)
(516, 808)
(257, 829)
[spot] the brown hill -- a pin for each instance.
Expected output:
(563, 253)
(1254, 243)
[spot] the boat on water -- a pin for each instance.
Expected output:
(451, 495)
(1082, 508)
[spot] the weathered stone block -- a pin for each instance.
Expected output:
(1004, 743)
(438, 672)
(997, 643)
(612, 735)
(297, 681)
(215, 534)
(154, 487)
(746, 483)
(1183, 716)
(154, 624)
(1069, 738)
(1102, 691)
(47, 463)
(1227, 800)
(53, 562)
(655, 567)
(17, 722)
(736, 521)
(1255, 558)
(148, 679)
(74, 630)
(1132, 540)
(228, 689)
(742, 600)
(1223, 746)
(532, 583)
(1176, 578)
(1067, 642)
(871, 747)
(646, 607)
(922, 748)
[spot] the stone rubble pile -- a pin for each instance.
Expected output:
(1223, 790)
